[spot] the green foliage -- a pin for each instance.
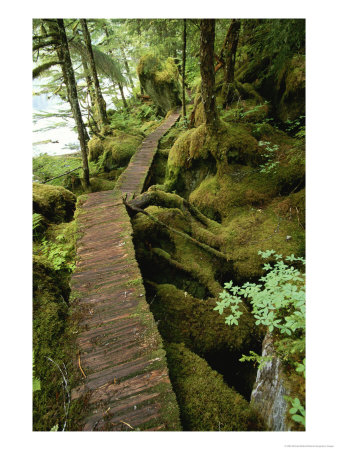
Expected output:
(277, 39)
(297, 411)
(271, 163)
(37, 225)
(296, 127)
(57, 254)
(278, 303)
(255, 358)
(36, 381)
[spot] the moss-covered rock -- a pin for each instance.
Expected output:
(113, 151)
(55, 203)
(206, 402)
(160, 82)
(100, 184)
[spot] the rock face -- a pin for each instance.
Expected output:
(268, 392)
(160, 82)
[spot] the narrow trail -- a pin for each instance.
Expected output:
(125, 383)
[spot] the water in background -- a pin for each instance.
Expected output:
(46, 139)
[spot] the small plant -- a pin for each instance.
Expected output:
(296, 127)
(278, 303)
(255, 358)
(271, 163)
(57, 255)
(297, 411)
(37, 221)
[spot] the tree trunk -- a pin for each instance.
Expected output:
(228, 57)
(183, 67)
(101, 104)
(207, 72)
(126, 65)
(73, 98)
(125, 104)
(54, 27)
(89, 81)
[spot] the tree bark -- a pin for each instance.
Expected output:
(73, 98)
(126, 65)
(59, 48)
(228, 57)
(183, 67)
(207, 72)
(125, 104)
(101, 104)
(89, 81)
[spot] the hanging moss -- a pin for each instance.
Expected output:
(206, 402)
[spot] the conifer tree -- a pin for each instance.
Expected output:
(101, 104)
(207, 39)
(73, 98)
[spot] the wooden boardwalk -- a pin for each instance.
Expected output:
(125, 383)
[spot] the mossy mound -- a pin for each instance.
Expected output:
(183, 318)
(55, 203)
(292, 103)
(113, 152)
(160, 81)
(247, 111)
(50, 314)
(206, 402)
(190, 159)
(100, 184)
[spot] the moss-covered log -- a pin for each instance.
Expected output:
(206, 402)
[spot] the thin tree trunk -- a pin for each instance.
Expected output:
(183, 66)
(126, 65)
(207, 72)
(125, 104)
(98, 94)
(228, 55)
(73, 97)
(89, 81)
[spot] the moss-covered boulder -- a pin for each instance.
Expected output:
(113, 151)
(55, 203)
(160, 81)
(206, 402)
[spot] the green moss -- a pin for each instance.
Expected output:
(114, 151)
(160, 81)
(292, 103)
(190, 159)
(99, 184)
(206, 402)
(55, 203)
(183, 318)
